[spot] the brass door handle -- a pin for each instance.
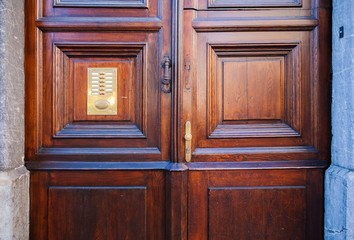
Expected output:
(166, 80)
(188, 141)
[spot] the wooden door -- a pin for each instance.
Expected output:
(105, 132)
(97, 175)
(255, 88)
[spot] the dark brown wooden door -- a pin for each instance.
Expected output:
(255, 89)
(97, 175)
(105, 134)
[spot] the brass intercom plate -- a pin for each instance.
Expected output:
(101, 91)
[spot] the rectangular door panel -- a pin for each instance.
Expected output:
(98, 205)
(254, 204)
(62, 9)
(253, 3)
(104, 212)
(250, 4)
(99, 3)
(280, 212)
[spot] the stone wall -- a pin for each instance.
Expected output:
(339, 181)
(14, 178)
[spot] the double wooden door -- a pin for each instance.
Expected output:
(171, 119)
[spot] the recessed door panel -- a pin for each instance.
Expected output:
(252, 204)
(61, 9)
(92, 209)
(134, 120)
(252, 91)
(276, 212)
(251, 4)
(98, 204)
(248, 90)
(100, 3)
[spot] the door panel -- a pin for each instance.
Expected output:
(99, 8)
(210, 4)
(262, 204)
(92, 208)
(282, 215)
(98, 205)
(254, 99)
(257, 89)
(135, 125)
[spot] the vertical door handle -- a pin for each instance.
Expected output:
(188, 141)
(166, 80)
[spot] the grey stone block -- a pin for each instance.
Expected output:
(14, 204)
(343, 119)
(339, 203)
(343, 48)
(343, 85)
(12, 83)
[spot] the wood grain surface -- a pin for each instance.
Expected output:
(252, 77)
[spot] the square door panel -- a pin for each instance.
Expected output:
(252, 89)
(72, 63)
(128, 84)
(251, 94)
(68, 128)
(256, 86)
